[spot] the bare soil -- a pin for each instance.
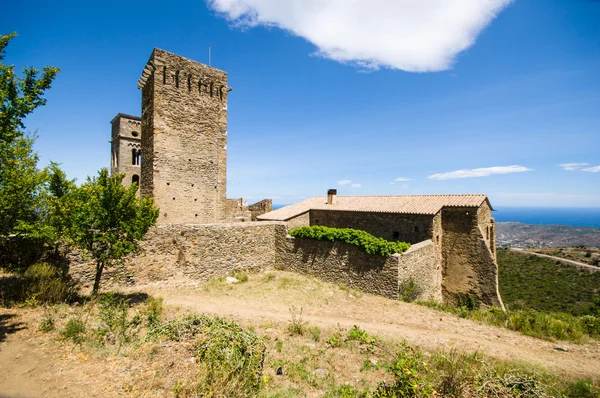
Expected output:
(34, 365)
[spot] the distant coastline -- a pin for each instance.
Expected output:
(572, 216)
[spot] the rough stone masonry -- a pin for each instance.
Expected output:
(184, 139)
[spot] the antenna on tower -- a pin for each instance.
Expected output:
(209, 55)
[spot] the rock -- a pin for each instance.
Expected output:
(561, 348)
(373, 361)
(279, 371)
(330, 293)
(231, 279)
(269, 330)
(321, 373)
(351, 296)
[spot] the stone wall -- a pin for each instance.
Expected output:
(195, 253)
(259, 208)
(468, 264)
(411, 228)
(341, 263)
(184, 127)
(301, 220)
(421, 265)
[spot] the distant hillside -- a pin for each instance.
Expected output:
(530, 282)
(516, 234)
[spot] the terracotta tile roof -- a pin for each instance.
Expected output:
(409, 204)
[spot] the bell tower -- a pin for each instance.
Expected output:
(126, 148)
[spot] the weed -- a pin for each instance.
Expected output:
(408, 291)
(345, 391)
(47, 323)
(278, 345)
(241, 276)
(268, 277)
(315, 333)
(582, 389)
(335, 339)
(74, 330)
(115, 323)
(357, 334)
(296, 325)
(455, 371)
(410, 376)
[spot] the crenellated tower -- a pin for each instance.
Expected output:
(184, 138)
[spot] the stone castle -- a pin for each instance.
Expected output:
(177, 154)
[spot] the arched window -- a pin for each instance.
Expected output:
(135, 179)
(139, 157)
(133, 156)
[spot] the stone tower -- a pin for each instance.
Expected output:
(126, 144)
(184, 138)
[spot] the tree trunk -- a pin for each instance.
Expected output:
(99, 269)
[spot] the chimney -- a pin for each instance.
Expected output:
(331, 193)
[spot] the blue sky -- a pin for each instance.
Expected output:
(372, 97)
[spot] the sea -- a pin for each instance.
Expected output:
(574, 216)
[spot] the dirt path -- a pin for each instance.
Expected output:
(430, 329)
(562, 260)
(32, 367)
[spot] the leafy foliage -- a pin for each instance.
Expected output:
(364, 240)
(19, 96)
(23, 187)
(106, 219)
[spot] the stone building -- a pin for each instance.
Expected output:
(126, 147)
(460, 227)
(182, 135)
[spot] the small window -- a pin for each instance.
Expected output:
(135, 133)
(134, 156)
(396, 235)
(135, 179)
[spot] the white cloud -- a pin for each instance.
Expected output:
(482, 172)
(355, 185)
(344, 182)
(572, 166)
(595, 169)
(411, 35)
(402, 179)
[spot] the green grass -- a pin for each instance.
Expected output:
(532, 282)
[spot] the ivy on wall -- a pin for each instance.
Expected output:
(364, 240)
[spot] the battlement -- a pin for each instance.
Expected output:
(182, 73)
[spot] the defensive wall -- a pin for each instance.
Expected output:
(198, 253)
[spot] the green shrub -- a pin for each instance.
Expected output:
(408, 291)
(365, 241)
(74, 331)
(45, 284)
(230, 356)
(410, 376)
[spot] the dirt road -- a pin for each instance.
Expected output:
(562, 260)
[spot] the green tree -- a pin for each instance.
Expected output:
(106, 220)
(19, 96)
(23, 187)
